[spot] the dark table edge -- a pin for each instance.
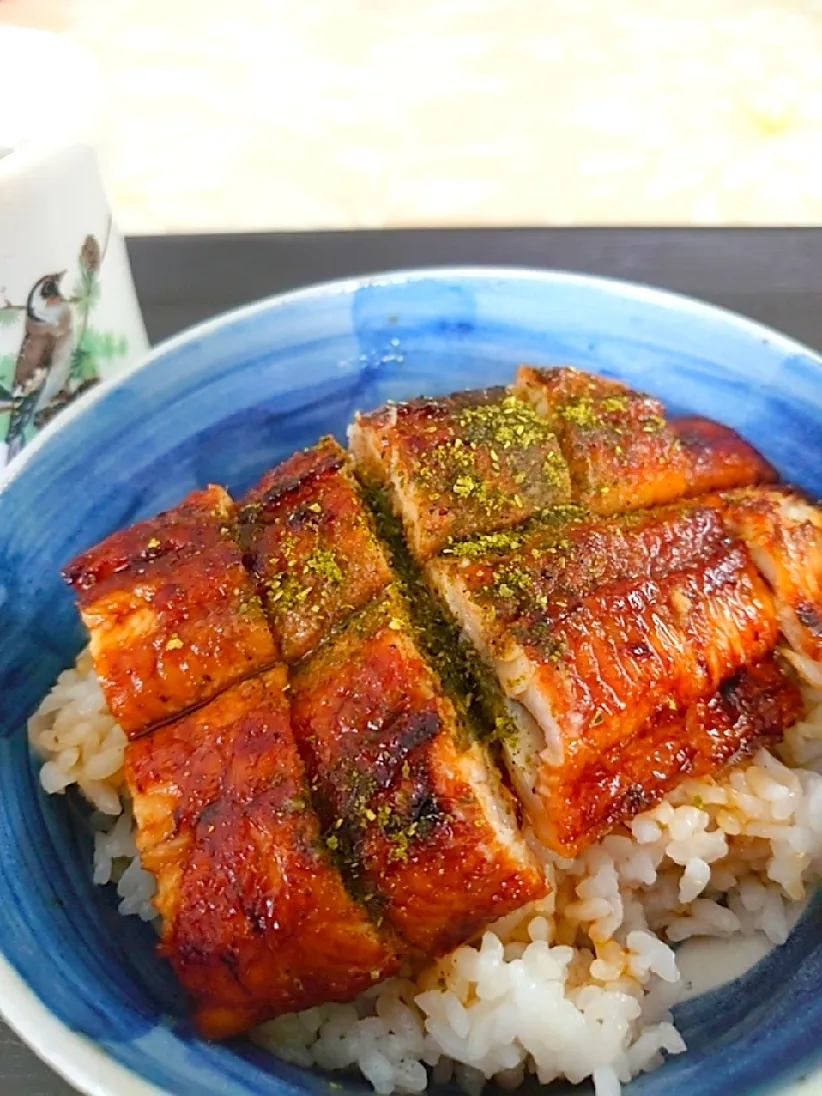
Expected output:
(771, 274)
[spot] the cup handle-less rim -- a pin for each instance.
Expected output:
(69, 65)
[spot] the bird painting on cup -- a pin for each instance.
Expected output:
(54, 364)
(43, 365)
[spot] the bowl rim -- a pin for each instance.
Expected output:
(340, 287)
(77, 1059)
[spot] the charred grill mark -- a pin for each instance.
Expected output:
(303, 518)
(404, 812)
(425, 812)
(634, 802)
(231, 963)
(211, 815)
(188, 529)
(729, 690)
(301, 469)
(442, 407)
(809, 616)
(688, 433)
(288, 485)
(407, 732)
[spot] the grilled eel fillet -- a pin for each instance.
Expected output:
(750, 709)
(307, 790)
(309, 826)
(624, 454)
(784, 536)
(256, 919)
(412, 803)
(610, 628)
(463, 464)
(172, 614)
(310, 544)
(596, 627)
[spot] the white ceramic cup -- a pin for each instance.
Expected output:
(68, 311)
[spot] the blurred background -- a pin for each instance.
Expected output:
(315, 114)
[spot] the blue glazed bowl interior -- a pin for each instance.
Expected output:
(220, 405)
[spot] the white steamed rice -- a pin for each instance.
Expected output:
(577, 985)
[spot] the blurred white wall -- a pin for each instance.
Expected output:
(346, 113)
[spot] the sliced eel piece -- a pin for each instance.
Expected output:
(594, 627)
(718, 458)
(560, 558)
(783, 532)
(752, 708)
(172, 613)
(256, 920)
(623, 453)
(460, 465)
(310, 543)
(414, 803)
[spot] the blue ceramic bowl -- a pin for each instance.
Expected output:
(221, 404)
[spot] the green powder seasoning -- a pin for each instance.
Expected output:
(514, 572)
(581, 412)
(324, 563)
(620, 417)
(399, 818)
(470, 685)
(510, 581)
(499, 454)
(555, 470)
(509, 424)
(313, 577)
(482, 546)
